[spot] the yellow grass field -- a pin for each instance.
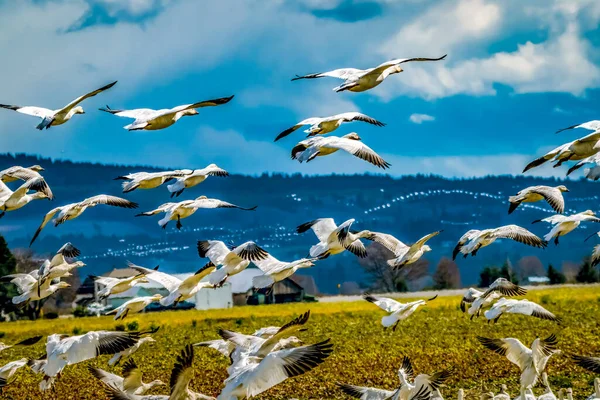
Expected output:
(436, 337)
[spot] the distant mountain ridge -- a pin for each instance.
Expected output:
(407, 207)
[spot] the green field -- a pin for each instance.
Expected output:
(436, 337)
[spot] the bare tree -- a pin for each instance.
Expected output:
(384, 278)
(447, 275)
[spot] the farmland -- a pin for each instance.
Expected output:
(436, 337)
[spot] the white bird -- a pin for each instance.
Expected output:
(10, 201)
(186, 208)
(134, 305)
(321, 126)
(479, 300)
(58, 267)
(502, 394)
(62, 350)
(9, 369)
(26, 342)
(117, 357)
(191, 178)
(404, 254)
(359, 80)
(147, 180)
(592, 173)
(256, 375)
(548, 394)
(524, 307)
(475, 239)
(118, 285)
(131, 381)
(60, 116)
(572, 151)
(179, 290)
(368, 393)
(563, 224)
(590, 125)
(310, 148)
(596, 394)
(275, 270)
(25, 174)
(74, 210)
(335, 239)
(27, 286)
(527, 394)
(397, 311)
(150, 120)
(532, 194)
(423, 384)
(232, 261)
(531, 361)
(227, 348)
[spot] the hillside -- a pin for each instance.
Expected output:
(407, 207)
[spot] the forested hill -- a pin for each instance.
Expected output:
(407, 207)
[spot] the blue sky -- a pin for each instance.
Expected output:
(514, 74)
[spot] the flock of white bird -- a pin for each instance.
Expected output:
(271, 355)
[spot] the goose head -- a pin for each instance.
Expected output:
(395, 69)
(569, 393)
(589, 212)
(426, 248)
(201, 197)
(39, 196)
(146, 339)
(156, 382)
(562, 188)
(62, 285)
(157, 297)
(36, 168)
(78, 264)
(352, 136)
(503, 388)
(77, 110)
(191, 111)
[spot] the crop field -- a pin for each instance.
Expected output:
(438, 336)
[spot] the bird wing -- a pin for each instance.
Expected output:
(388, 241)
(553, 196)
(365, 393)
(106, 377)
(589, 363)
(4, 190)
(270, 264)
(425, 238)
(215, 203)
(68, 250)
(527, 307)
(109, 201)
(241, 340)
(432, 382)
(322, 227)
(95, 343)
(385, 303)
(205, 103)
(78, 100)
(356, 116)
(144, 114)
(285, 331)
(248, 251)
(214, 250)
(37, 184)
(542, 350)
(46, 219)
(518, 234)
(33, 111)
(357, 149)
(182, 373)
(24, 282)
(308, 121)
(382, 67)
(168, 281)
(592, 137)
(469, 297)
(19, 172)
(505, 287)
(132, 376)
(192, 281)
(511, 348)
(341, 73)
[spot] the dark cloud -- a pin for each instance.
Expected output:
(351, 11)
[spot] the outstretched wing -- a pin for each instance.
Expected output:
(205, 103)
(341, 73)
(388, 241)
(518, 234)
(322, 227)
(357, 149)
(589, 363)
(78, 100)
(505, 287)
(553, 196)
(356, 116)
(33, 111)
(109, 201)
(168, 281)
(511, 348)
(385, 303)
(46, 219)
(365, 393)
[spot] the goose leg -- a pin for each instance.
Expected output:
(179, 222)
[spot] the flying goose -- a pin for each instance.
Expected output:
(478, 300)
(422, 383)
(335, 239)
(179, 290)
(117, 357)
(256, 375)
(147, 180)
(310, 148)
(532, 194)
(151, 120)
(524, 307)
(321, 126)
(232, 261)
(191, 178)
(184, 209)
(62, 350)
(572, 151)
(27, 287)
(590, 363)
(10, 201)
(397, 311)
(592, 173)
(475, 239)
(74, 210)
(590, 125)
(60, 116)
(563, 224)
(131, 381)
(9, 369)
(275, 270)
(358, 80)
(531, 361)
(26, 342)
(404, 254)
(118, 285)
(58, 267)
(25, 174)
(134, 305)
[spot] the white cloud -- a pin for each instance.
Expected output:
(420, 118)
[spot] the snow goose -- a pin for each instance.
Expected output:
(256, 375)
(524, 307)
(572, 151)
(359, 80)
(590, 363)
(186, 208)
(25, 174)
(131, 381)
(10, 201)
(60, 116)
(532, 194)
(147, 180)
(232, 261)
(590, 125)
(117, 357)
(118, 285)
(404, 254)
(479, 300)
(563, 224)
(531, 361)
(422, 383)
(193, 178)
(58, 267)
(227, 347)
(134, 305)
(74, 210)
(592, 173)
(26, 342)
(62, 350)
(179, 290)
(151, 120)
(397, 311)
(369, 393)
(27, 287)
(321, 126)
(335, 239)
(9, 369)
(596, 394)
(308, 149)
(274, 270)
(475, 239)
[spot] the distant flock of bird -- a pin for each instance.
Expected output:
(271, 355)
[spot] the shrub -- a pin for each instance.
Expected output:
(194, 323)
(133, 326)
(51, 315)
(120, 327)
(76, 330)
(2, 334)
(80, 311)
